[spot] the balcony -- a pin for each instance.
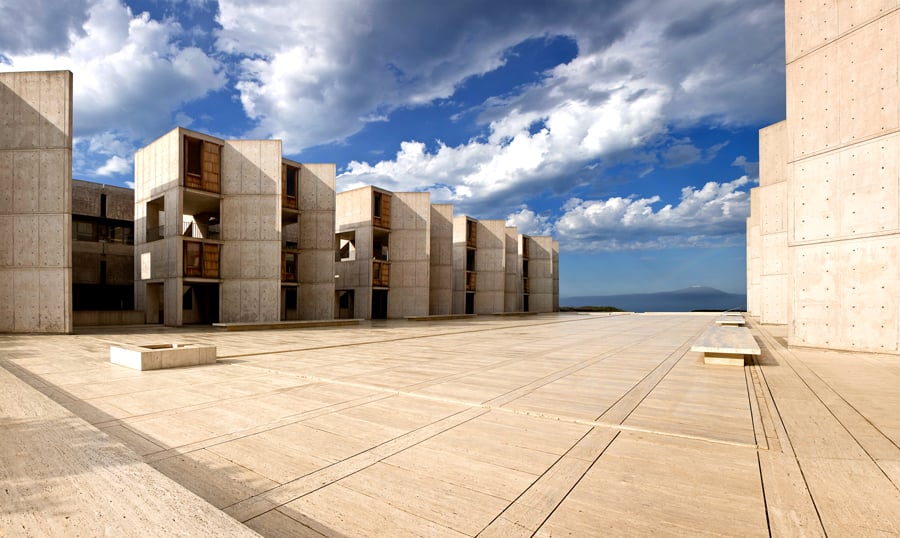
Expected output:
(201, 259)
(470, 280)
(381, 273)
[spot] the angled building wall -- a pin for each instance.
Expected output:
(464, 275)
(410, 253)
(490, 267)
(36, 202)
(512, 297)
(316, 241)
(540, 274)
(251, 231)
(440, 292)
(772, 250)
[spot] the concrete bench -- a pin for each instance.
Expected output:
(159, 356)
(730, 320)
(290, 324)
(726, 345)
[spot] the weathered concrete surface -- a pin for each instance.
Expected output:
(36, 202)
(824, 232)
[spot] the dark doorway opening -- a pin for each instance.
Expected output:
(470, 303)
(379, 304)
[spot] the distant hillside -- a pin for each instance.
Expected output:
(685, 300)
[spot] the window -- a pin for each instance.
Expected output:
(102, 205)
(376, 209)
(85, 231)
(291, 183)
(192, 259)
(194, 156)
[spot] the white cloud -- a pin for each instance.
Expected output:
(530, 223)
(40, 25)
(713, 215)
(115, 165)
(664, 66)
(130, 76)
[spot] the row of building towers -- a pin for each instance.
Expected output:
(230, 231)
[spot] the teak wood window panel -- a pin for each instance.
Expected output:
(201, 259)
(471, 228)
(381, 273)
(202, 165)
(381, 210)
(470, 280)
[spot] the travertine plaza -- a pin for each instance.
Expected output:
(445, 423)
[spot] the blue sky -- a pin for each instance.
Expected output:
(626, 129)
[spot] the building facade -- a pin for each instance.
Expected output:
(36, 202)
(383, 242)
(823, 238)
(102, 254)
(230, 231)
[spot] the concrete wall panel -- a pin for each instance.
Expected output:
(773, 156)
(868, 89)
(774, 299)
(869, 186)
(440, 293)
(854, 13)
(774, 254)
(36, 203)
(815, 189)
(773, 208)
(813, 103)
(809, 25)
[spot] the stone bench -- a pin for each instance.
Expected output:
(730, 320)
(726, 345)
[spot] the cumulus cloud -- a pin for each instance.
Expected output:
(115, 165)
(350, 62)
(130, 76)
(665, 66)
(530, 223)
(713, 215)
(28, 26)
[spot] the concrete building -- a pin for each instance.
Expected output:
(230, 231)
(103, 255)
(36, 202)
(823, 238)
(384, 243)
(440, 293)
(539, 270)
(497, 270)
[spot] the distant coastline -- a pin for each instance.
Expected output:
(683, 300)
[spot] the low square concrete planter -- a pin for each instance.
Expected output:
(158, 356)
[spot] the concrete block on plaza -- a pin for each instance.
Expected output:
(160, 356)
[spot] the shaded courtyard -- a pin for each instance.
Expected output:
(495, 426)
